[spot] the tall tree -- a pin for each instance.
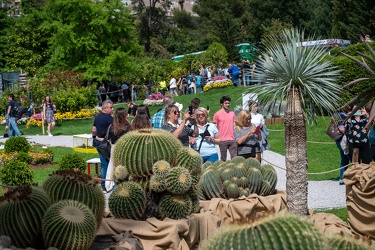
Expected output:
(305, 80)
(5, 24)
(95, 37)
(151, 19)
(352, 19)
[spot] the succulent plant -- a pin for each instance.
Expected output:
(235, 180)
(244, 192)
(243, 182)
(21, 213)
(227, 174)
(270, 175)
(211, 185)
(127, 201)
(120, 174)
(218, 162)
(207, 164)
(282, 231)
(69, 224)
(189, 159)
(232, 191)
(266, 188)
(158, 183)
(175, 206)
(143, 182)
(238, 159)
(161, 168)
(240, 170)
(139, 150)
(336, 242)
(179, 180)
(252, 163)
(73, 185)
(255, 178)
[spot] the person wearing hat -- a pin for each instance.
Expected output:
(357, 135)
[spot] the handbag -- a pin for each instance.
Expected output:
(104, 146)
(332, 130)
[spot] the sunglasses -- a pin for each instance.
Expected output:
(200, 115)
(248, 119)
(176, 112)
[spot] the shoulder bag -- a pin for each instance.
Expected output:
(104, 146)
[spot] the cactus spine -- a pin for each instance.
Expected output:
(21, 213)
(69, 224)
(179, 180)
(71, 185)
(128, 201)
(175, 206)
(275, 232)
(139, 150)
(190, 159)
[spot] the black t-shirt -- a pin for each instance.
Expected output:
(114, 137)
(101, 122)
(132, 111)
(11, 103)
(184, 136)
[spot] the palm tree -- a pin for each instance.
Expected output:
(304, 79)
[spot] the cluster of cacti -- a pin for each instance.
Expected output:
(235, 178)
(336, 242)
(275, 232)
(69, 224)
(73, 185)
(21, 213)
(167, 173)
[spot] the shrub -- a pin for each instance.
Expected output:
(23, 157)
(41, 156)
(72, 161)
(17, 144)
(16, 173)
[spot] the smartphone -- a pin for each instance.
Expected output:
(190, 110)
(208, 107)
(257, 129)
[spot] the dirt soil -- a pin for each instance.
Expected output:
(39, 166)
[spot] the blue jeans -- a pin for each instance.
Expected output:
(234, 79)
(211, 158)
(13, 129)
(134, 96)
(345, 159)
(247, 78)
(199, 89)
(103, 168)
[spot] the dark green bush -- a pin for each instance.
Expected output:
(17, 144)
(72, 161)
(16, 173)
(24, 157)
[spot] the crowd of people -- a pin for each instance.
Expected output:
(239, 135)
(353, 134)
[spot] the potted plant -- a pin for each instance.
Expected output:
(15, 173)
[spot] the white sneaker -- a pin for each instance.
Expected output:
(49, 134)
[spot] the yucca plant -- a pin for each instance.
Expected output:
(305, 79)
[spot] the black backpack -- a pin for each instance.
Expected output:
(18, 110)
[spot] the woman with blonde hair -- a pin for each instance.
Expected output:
(208, 136)
(247, 136)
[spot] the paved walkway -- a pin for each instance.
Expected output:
(322, 194)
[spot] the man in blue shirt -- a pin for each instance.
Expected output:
(157, 120)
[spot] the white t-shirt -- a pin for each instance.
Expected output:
(172, 83)
(257, 119)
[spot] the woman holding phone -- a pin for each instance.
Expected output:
(247, 136)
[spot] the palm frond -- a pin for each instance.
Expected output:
(288, 65)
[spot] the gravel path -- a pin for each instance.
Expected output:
(322, 194)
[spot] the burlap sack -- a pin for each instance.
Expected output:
(330, 224)
(253, 206)
(360, 198)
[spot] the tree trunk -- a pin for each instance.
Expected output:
(295, 155)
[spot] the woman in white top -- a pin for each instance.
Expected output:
(173, 87)
(258, 120)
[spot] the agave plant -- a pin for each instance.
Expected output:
(305, 80)
(368, 92)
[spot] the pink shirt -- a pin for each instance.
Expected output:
(225, 124)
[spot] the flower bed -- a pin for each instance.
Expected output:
(154, 100)
(217, 82)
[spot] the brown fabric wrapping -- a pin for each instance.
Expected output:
(360, 199)
(167, 234)
(244, 208)
(188, 233)
(330, 224)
